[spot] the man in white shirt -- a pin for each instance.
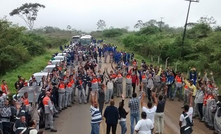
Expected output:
(186, 121)
(151, 108)
(144, 126)
(109, 91)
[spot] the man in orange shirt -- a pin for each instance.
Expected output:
(4, 87)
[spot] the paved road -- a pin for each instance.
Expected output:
(76, 119)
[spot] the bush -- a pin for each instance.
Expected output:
(18, 46)
(112, 32)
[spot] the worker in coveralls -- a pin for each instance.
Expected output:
(48, 108)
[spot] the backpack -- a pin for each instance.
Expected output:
(188, 128)
(27, 131)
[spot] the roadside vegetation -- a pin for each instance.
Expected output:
(27, 69)
(19, 46)
(156, 41)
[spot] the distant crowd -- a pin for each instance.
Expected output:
(82, 77)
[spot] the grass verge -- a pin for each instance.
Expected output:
(26, 70)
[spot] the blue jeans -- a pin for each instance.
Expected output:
(180, 92)
(169, 92)
(123, 127)
(95, 128)
(132, 117)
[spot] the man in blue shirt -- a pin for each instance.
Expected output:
(112, 115)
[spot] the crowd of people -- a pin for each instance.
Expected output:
(199, 95)
(81, 78)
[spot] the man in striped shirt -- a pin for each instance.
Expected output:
(95, 113)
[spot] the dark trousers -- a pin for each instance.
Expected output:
(101, 105)
(6, 127)
(149, 94)
(200, 109)
(134, 87)
(113, 127)
(88, 94)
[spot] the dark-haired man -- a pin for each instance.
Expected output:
(159, 115)
(111, 115)
(145, 125)
(151, 108)
(186, 118)
(134, 110)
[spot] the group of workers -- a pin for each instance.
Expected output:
(81, 74)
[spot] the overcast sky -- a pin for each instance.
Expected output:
(84, 14)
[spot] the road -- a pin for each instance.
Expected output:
(76, 119)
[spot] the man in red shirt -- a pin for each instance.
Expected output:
(4, 87)
(134, 81)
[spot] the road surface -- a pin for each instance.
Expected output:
(76, 119)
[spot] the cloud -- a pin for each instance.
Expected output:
(84, 14)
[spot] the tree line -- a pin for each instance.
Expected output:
(18, 45)
(157, 40)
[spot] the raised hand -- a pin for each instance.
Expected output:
(122, 96)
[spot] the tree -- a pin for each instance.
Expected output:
(101, 24)
(28, 12)
(69, 28)
(207, 20)
(139, 24)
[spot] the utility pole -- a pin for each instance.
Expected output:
(185, 26)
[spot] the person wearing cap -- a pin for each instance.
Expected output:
(186, 121)
(49, 112)
(193, 75)
(61, 93)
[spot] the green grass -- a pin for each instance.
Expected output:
(26, 70)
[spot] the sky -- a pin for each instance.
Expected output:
(84, 14)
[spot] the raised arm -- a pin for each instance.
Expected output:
(155, 98)
(159, 72)
(95, 97)
(142, 100)
(92, 99)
